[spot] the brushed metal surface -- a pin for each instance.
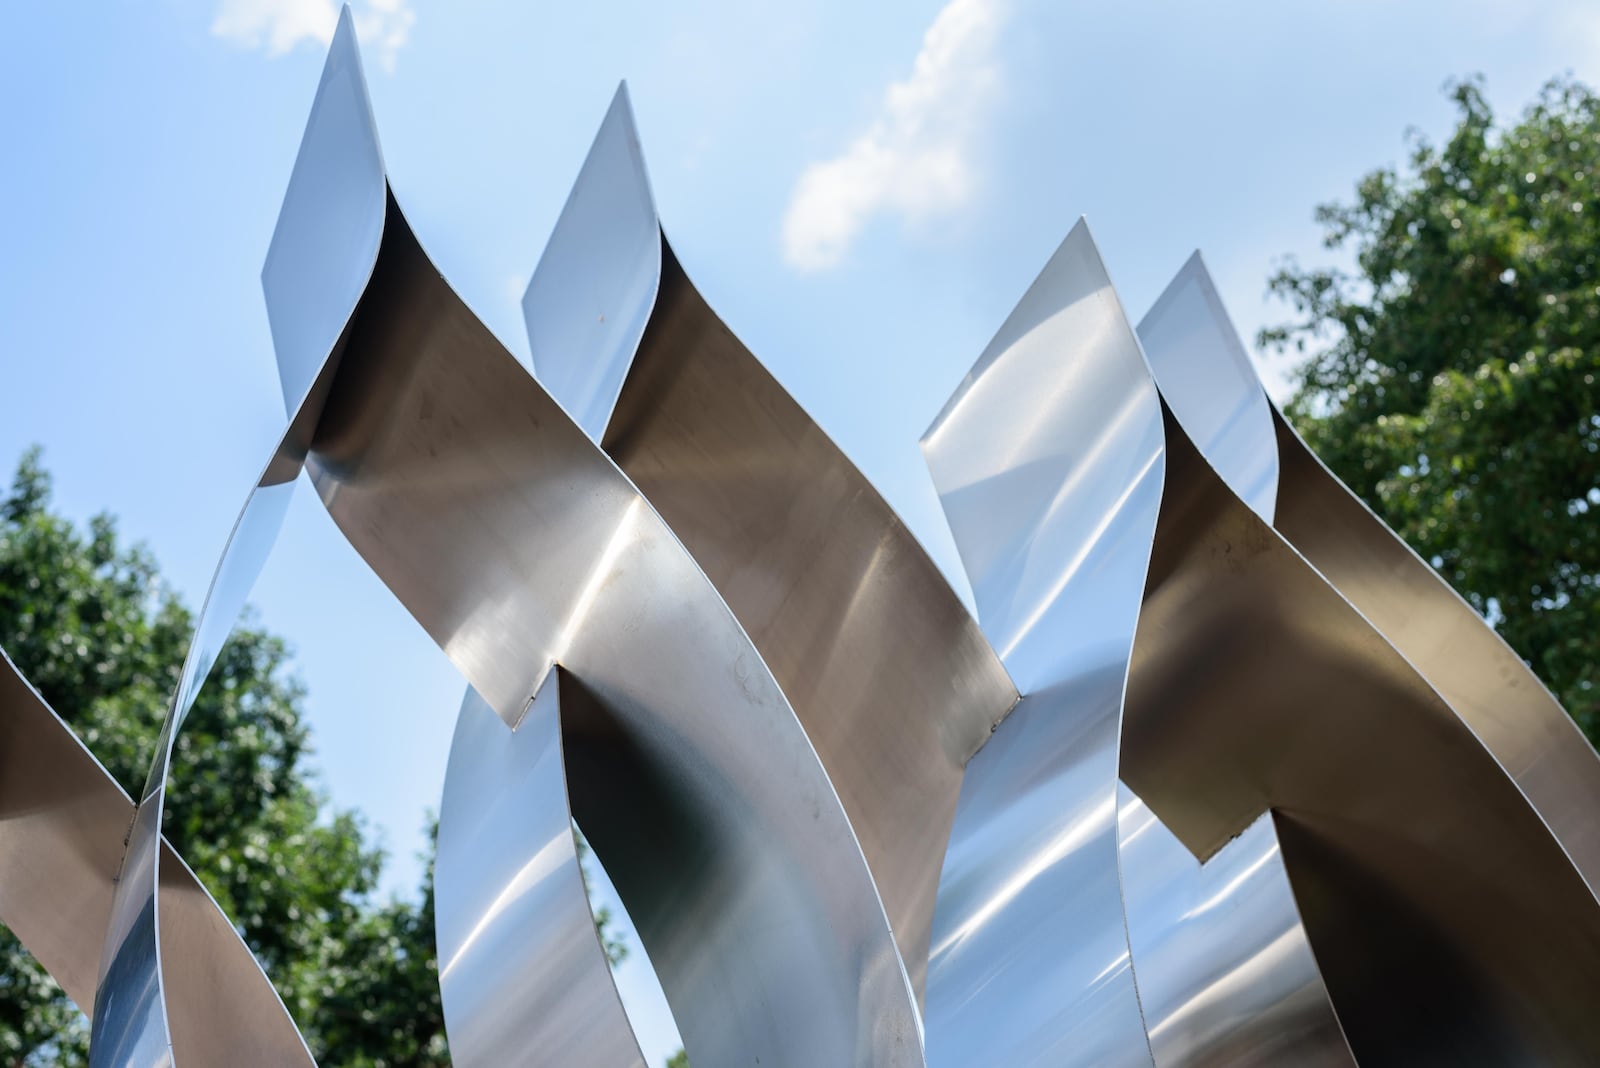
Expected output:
(62, 823)
(1206, 378)
(323, 242)
(891, 678)
(517, 545)
(1487, 684)
(1465, 661)
(1192, 965)
(1446, 920)
(1351, 824)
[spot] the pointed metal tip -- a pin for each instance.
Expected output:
(620, 111)
(344, 34)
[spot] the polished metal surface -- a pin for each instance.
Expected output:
(1226, 974)
(1471, 667)
(517, 545)
(547, 554)
(1198, 360)
(595, 286)
(63, 821)
(509, 890)
(132, 1022)
(889, 675)
(1048, 461)
(1481, 677)
(1350, 824)
(1445, 918)
(1206, 378)
(1190, 962)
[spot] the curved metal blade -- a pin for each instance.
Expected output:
(889, 675)
(1048, 462)
(509, 891)
(63, 824)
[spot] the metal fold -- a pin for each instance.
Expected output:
(892, 680)
(1446, 920)
(1191, 339)
(1221, 773)
(132, 1021)
(1048, 462)
(509, 889)
(63, 824)
(518, 545)
(1201, 366)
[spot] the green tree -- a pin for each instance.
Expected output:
(1451, 378)
(96, 631)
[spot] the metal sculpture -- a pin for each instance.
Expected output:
(1220, 774)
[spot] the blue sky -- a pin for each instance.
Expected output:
(861, 190)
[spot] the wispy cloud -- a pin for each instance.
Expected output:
(276, 26)
(915, 160)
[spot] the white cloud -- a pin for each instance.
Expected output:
(915, 160)
(276, 26)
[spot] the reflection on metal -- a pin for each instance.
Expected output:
(1221, 774)
(1048, 461)
(63, 825)
(891, 678)
(1471, 667)
(1447, 921)
(1226, 974)
(508, 875)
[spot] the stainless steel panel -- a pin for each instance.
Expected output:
(1189, 966)
(62, 824)
(509, 891)
(890, 676)
(592, 292)
(1208, 381)
(1349, 808)
(326, 238)
(132, 1023)
(1487, 684)
(221, 1007)
(1226, 974)
(1482, 679)
(63, 821)
(1446, 920)
(1048, 461)
(518, 545)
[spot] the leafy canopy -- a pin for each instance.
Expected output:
(92, 626)
(1451, 379)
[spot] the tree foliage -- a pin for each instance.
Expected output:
(1451, 378)
(90, 623)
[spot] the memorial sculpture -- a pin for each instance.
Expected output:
(1220, 773)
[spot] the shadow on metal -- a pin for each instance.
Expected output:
(890, 676)
(509, 878)
(1202, 368)
(1470, 666)
(1255, 686)
(519, 546)
(1350, 824)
